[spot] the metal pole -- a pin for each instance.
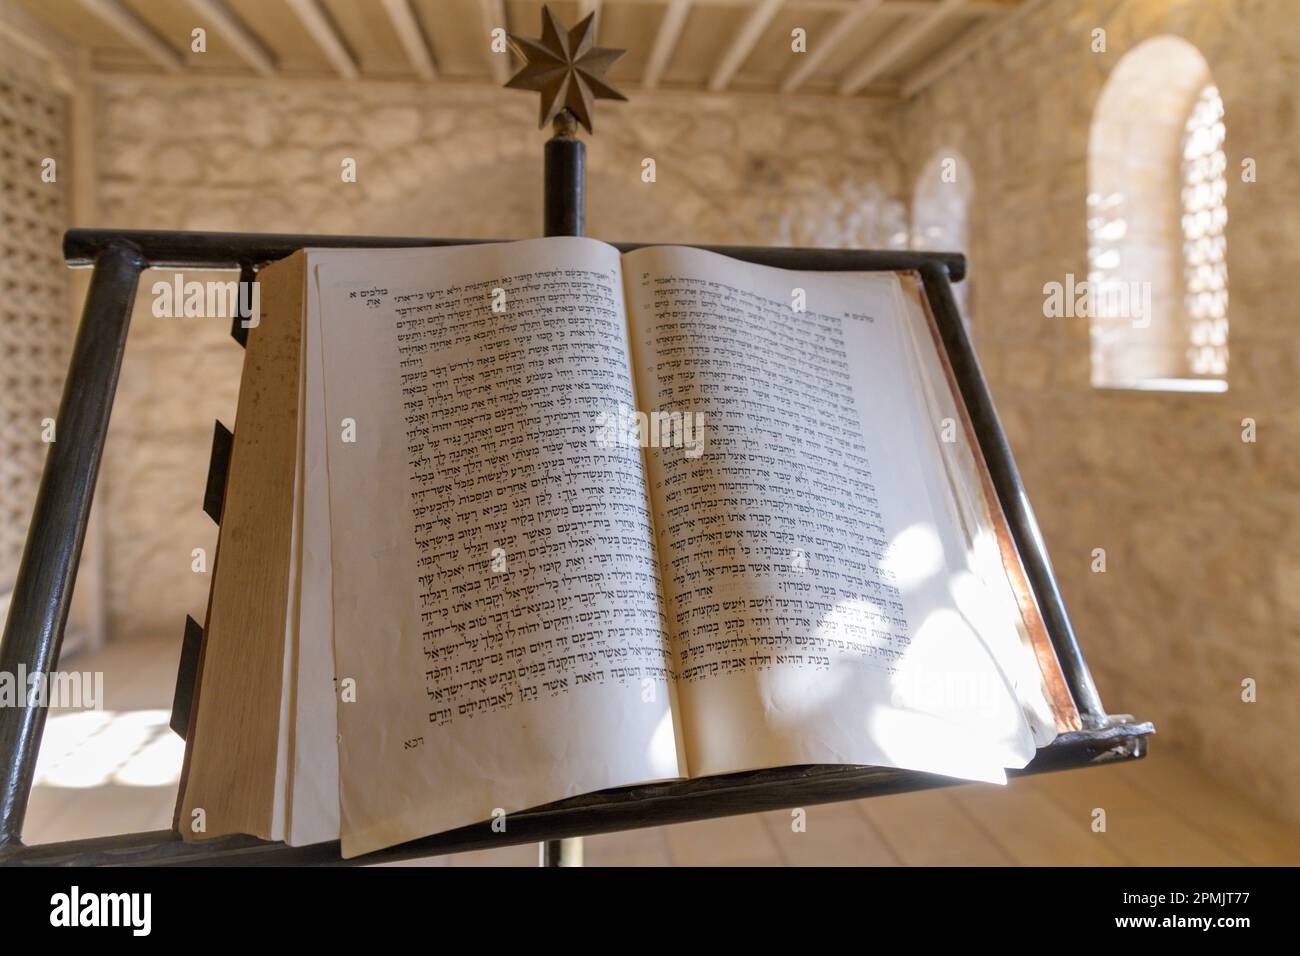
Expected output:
(561, 852)
(43, 589)
(562, 212)
(564, 190)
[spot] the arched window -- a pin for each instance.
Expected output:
(940, 211)
(1157, 255)
(1205, 265)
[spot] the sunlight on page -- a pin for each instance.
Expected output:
(950, 702)
(947, 675)
(797, 696)
(915, 554)
(980, 604)
(913, 740)
(947, 672)
(662, 752)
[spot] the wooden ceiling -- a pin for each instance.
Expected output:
(854, 47)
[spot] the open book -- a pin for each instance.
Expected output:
(509, 523)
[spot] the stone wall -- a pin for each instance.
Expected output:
(1201, 531)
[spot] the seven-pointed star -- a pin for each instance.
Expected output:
(565, 68)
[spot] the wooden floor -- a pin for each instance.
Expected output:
(115, 771)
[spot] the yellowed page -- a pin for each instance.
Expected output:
(496, 602)
(236, 757)
(815, 576)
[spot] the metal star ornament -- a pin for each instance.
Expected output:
(566, 67)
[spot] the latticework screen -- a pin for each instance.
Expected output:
(33, 303)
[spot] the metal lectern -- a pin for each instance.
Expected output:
(42, 592)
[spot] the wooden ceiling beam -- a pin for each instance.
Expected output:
(320, 27)
(408, 31)
(139, 33)
(743, 45)
(953, 54)
(670, 29)
(897, 45)
(823, 47)
(494, 15)
(915, 20)
(249, 47)
(61, 56)
(586, 7)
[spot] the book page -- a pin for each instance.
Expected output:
(817, 581)
(313, 806)
(498, 629)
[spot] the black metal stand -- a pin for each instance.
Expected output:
(563, 214)
(564, 189)
(39, 607)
